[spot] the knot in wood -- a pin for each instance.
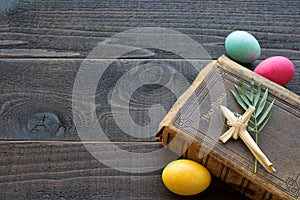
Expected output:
(43, 125)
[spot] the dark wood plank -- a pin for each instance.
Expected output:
(30, 89)
(66, 170)
(61, 28)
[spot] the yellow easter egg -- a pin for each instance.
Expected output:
(186, 177)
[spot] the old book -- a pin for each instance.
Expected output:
(194, 124)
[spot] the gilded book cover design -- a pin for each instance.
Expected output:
(197, 118)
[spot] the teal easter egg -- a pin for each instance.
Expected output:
(242, 47)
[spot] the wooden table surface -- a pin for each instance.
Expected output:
(44, 43)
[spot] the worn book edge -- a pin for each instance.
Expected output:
(274, 88)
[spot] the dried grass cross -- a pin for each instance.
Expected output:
(238, 128)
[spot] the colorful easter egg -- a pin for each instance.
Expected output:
(278, 69)
(242, 47)
(186, 177)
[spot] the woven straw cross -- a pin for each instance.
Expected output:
(238, 128)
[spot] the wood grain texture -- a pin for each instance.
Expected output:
(31, 86)
(62, 28)
(34, 86)
(66, 170)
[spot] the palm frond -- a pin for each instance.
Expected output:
(252, 91)
(238, 100)
(250, 129)
(262, 104)
(242, 95)
(257, 95)
(251, 96)
(266, 113)
(245, 91)
(265, 120)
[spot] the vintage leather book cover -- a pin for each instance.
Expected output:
(194, 124)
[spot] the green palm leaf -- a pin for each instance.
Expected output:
(245, 91)
(264, 124)
(262, 104)
(257, 95)
(250, 129)
(242, 95)
(252, 91)
(246, 97)
(266, 113)
(238, 99)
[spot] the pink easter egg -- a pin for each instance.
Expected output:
(278, 69)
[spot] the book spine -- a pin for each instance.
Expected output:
(190, 149)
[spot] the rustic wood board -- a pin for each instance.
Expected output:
(62, 28)
(34, 86)
(31, 86)
(65, 170)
